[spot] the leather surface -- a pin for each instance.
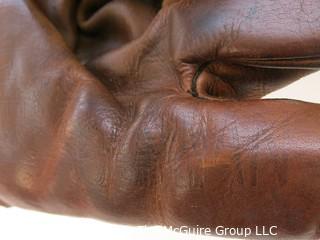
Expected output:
(140, 114)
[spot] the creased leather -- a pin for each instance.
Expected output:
(97, 116)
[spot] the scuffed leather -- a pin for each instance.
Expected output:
(97, 116)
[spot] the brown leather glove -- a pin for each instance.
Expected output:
(123, 111)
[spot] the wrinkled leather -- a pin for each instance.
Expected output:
(98, 117)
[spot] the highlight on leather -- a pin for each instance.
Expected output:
(150, 113)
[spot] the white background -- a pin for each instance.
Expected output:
(16, 224)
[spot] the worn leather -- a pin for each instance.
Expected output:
(143, 114)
